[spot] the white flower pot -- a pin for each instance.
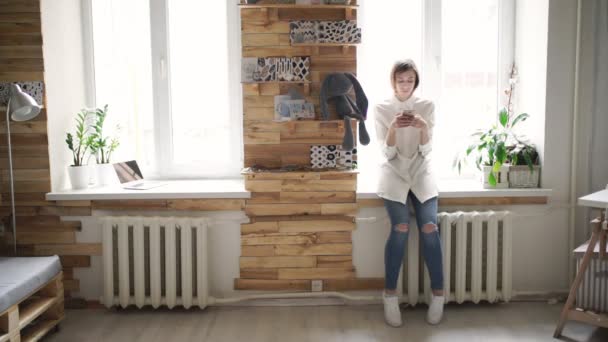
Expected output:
(106, 175)
(79, 176)
(502, 179)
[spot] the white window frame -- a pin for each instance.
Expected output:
(161, 89)
(432, 54)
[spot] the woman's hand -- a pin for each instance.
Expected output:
(418, 121)
(408, 119)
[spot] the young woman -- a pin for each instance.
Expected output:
(404, 127)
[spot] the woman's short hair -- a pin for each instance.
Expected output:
(402, 66)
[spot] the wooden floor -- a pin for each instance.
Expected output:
(504, 322)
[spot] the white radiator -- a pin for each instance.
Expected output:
(592, 294)
(476, 259)
(155, 261)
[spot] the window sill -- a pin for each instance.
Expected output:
(174, 189)
(235, 188)
(466, 192)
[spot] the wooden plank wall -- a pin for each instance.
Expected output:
(301, 223)
(39, 228)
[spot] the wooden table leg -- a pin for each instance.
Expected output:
(579, 277)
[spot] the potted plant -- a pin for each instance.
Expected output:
(490, 148)
(524, 171)
(102, 147)
(79, 145)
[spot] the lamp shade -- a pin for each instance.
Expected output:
(21, 106)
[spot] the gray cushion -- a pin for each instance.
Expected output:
(20, 276)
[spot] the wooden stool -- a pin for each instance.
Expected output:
(600, 231)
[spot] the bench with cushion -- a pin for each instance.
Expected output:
(31, 297)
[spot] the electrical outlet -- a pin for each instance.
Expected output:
(317, 285)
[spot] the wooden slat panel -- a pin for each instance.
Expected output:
(17, 6)
(263, 185)
(71, 284)
(264, 197)
(69, 249)
(339, 261)
(282, 51)
(316, 273)
(302, 218)
(20, 52)
(282, 175)
(26, 163)
(6, 17)
(258, 114)
(317, 197)
(259, 138)
(319, 185)
(130, 204)
(48, 237)
(334, 237)
(260, 27)
(319, 249)
(64, 211)
(259, 228)
(24, 139)
(257, 251)
(259, 273)
(282, 209)
(206, 204)
(26, 127)
(315, 226)
(277, 261)
(264, 284)
(262, 39)
(339, 208)
(23, 64)
(75, 260)
(353, 284)
(77, 203)
(277, 239)
(18, 76)
(16, 40)
(311, 14)
(29, 186)
(27, 175)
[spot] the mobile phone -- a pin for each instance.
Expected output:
(407, 112)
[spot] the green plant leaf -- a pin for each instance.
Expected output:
(496, 166)
(503, 117)
(492, 179)
(520, 117)
(528, 159)
(501, 153)
(471, 148)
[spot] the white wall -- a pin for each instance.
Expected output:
(64, 79)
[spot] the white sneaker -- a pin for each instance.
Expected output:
(392, 313)
(433, 316)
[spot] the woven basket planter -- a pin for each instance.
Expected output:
(502, 181)
(520, 176)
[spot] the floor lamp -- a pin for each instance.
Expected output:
(20, 107)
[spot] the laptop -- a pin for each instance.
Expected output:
(130, 177)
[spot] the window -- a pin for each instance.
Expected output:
(463, 50)
(163, 68)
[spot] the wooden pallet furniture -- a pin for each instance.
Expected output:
(35, 315)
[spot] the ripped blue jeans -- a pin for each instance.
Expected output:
(396, 243)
